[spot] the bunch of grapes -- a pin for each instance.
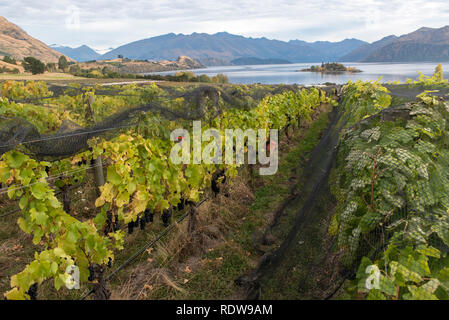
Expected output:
(181, 204)
(91, 273)
(32, 291)
(141, 222)
(166, 215)
(112, 225)
(148, 216)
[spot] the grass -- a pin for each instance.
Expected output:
(307, 269)
(48, 76)
(66, 79)
(275, 189)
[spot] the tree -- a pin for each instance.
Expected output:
(63, 64)
(220, 78)
(204, 78)
(185, 76)
(33, 65)
(75, 69)
(10, 60)
(95, 74)
(51, 67)
(438, 75)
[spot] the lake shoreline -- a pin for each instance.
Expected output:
(286, 74)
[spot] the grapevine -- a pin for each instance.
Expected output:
(141, 180)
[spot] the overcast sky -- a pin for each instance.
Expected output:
(110, 23)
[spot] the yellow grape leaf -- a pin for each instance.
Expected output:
(15, 294)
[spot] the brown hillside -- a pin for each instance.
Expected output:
(3, 64)
(135, 66)
(17, 43)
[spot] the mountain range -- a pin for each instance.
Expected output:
(80, 54)
(364, 51)
(425, 44)
(226, 47)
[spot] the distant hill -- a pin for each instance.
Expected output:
(366, 50)
(80, 54)
(335, 50)
(211, 62)
(139, 66)
(257, 61)
(425, 44)
(17, 43)
(10, 66)
(223, 47)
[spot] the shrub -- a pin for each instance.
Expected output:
(10, 60)
(33, 65)
(220, 78)
(63, 64)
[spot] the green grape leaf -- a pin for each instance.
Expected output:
(15, 159)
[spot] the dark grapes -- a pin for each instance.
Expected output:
(214, 183)
(109, 225)
(148, 216)
(116, 226)
(130, 227)
(32, 291)
(215, 187)
(142, 224)
(166, 217)
(181, 204)
(91, 273)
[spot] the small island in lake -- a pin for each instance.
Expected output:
(331, 68)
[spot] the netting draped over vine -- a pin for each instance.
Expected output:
(387, 168)
(391, 182)
(72, 138)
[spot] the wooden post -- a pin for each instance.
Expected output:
(192, 219)
(98, 172)
(89, 111)
(101, 292)
(252, 176)
(66, 198)
(98, 163)
(286, 131)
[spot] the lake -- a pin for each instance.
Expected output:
(287, 73)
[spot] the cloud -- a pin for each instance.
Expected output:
(106, 23)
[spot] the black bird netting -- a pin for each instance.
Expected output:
(71, 138)
(408, 209)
